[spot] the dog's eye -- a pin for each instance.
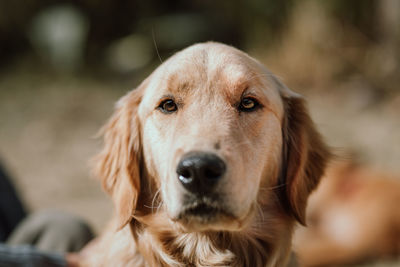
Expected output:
(248, 104)
(168, 106)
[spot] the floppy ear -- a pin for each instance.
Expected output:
(117, 165)
(304, 155)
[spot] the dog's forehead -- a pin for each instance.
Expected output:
(208, 62)
(212, 65)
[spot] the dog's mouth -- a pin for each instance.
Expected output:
(203, 213)
(201, 210)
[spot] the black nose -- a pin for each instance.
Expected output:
(199, 172)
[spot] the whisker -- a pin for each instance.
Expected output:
(153, 202)
(155, 44)
(261, 212)
(159, 206)
(154, 199)
(275, 187)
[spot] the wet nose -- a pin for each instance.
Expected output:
(199, 172)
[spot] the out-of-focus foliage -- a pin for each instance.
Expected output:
(172, 24)
(343, 38)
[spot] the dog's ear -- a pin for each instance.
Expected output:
(305, 154)
(117, 165)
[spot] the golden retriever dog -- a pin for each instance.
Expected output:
(209, 162)
(353, 217)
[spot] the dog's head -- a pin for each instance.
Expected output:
(205, 135)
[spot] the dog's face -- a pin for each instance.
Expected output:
(211, 132)
(205, 134)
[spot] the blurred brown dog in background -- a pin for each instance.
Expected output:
(353, 217)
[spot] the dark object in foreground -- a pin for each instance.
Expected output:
(11, 209)
(28, 256)
(40, 239)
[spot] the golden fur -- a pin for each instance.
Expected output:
(274, 159)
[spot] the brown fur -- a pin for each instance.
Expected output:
(286, 158)
(353, 217)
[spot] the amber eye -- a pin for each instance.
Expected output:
(168, 106)
(248, 104)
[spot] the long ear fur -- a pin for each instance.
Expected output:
(305, 155)
(117, 165)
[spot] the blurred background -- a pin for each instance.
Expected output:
(63, 64)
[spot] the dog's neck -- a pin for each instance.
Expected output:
(263, 243)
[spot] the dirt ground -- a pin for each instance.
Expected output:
(48, 123)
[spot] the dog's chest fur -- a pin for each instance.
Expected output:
(159, 247)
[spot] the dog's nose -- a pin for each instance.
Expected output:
(199, 172)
